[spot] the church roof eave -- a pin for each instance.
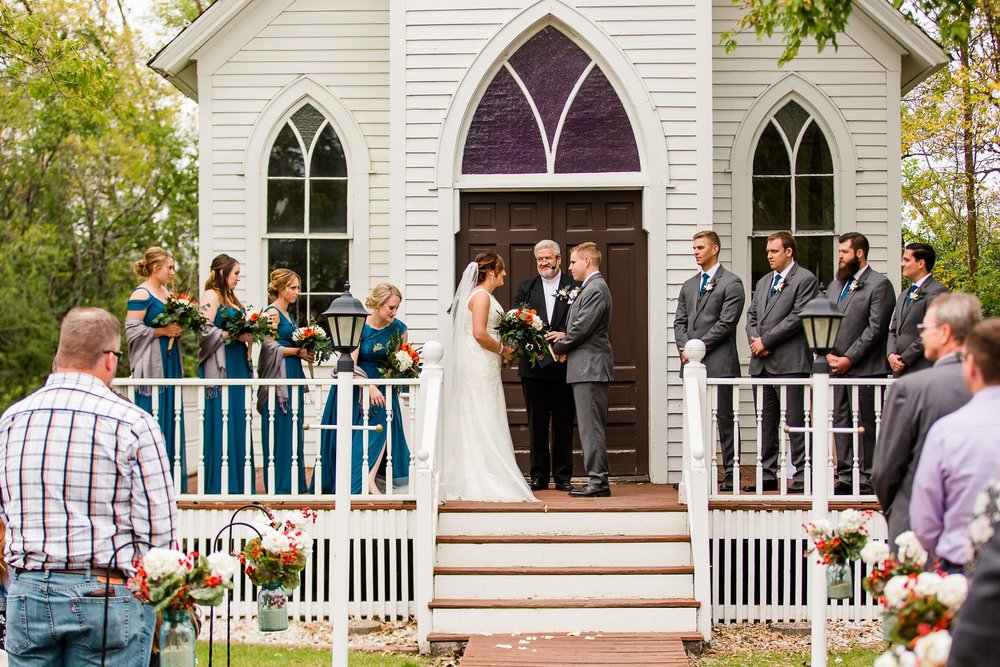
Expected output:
(922, 56)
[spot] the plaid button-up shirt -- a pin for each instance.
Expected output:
(84, 472)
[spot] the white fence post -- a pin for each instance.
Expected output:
(820, 506)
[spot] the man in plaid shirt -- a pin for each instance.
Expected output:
(82, 473)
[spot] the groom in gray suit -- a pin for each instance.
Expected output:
(709, 309)
(586, 348)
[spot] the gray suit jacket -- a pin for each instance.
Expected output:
(904, 337)
(865, 326)
(586, 340)
(914, 403)
(975, 634)
(776, 321)
(712, 318)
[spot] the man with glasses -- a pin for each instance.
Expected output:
(917, 401)
(960, 456)
(548, 399)
(85, 474)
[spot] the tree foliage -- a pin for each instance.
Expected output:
(92, 171)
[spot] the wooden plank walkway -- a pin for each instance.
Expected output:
(586, 648)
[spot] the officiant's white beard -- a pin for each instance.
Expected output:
(549, 273)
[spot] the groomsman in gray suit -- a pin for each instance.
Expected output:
(709, 309)
(865, 297)
(778, 349)
(905, 351)
(917, 401)
(589, 363)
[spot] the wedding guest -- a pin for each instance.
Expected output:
(917, 400)
(280, 358)
(864, 296)
(150, 354)
(779, 350)
(386, 447)
(709, 309)
(548, 399)
(85, 474)
(905, 349)
(220, 357)
(960, 456)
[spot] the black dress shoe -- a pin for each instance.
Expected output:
(590, 491)
(727, 484)
(866, 489)
(842, 489)
(767, 485)
(796, 487)
(564, 486)
(539, 485)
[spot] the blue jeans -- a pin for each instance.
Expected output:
(53, 619)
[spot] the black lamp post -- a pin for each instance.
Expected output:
(346, 316)
(821, 320)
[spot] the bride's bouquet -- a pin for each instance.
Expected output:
(524, 330)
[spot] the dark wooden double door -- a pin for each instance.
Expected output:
(510, 224)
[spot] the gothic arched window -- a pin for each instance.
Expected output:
(793, 190)
(307, 229)
(550, 110)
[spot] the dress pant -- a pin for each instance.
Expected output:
(843, 417)
(549, 403)
(771, 419)
(592, 418)
(724, 419)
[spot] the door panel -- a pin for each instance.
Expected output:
(510, 224)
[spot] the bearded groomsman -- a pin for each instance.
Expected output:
(709, 309)
(864, 296)
(905, 348)
(778, 349)
(548, 399)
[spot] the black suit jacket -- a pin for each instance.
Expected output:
(531, 293)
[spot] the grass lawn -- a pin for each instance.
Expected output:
(268, 656)
(859, 657)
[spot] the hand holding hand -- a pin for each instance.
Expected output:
(553, 336)
(684, 358)
(896, 363)
(838, 365)
(757, 348)
(507, 352)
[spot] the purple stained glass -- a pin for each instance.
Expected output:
(503, 137)
(549, 65)
(597, 135)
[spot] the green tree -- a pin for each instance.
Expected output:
(92, 171)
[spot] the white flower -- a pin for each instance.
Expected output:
(982, 500)
(223, 565)
(874, 552)
(537, 324)
(910, 549)
(403, 360)
(980, 530)
(887, 659)
(952, 590)
(301, 540)
(896, 592)
(160, 563)
(927, 584)
(274, 541)
(932, 649)
(512, 312)
(780, 286)
(819, 528)
(851, 520)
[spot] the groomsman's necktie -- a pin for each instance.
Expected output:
(847, 288)
(704, 279)
(910, 294)
(774, 285)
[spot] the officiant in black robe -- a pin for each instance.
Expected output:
(547, 396)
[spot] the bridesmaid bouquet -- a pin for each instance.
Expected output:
(524, 330)
(255, 323)
(314, 339)
(169, 579)
(182, 310)
(402, 359)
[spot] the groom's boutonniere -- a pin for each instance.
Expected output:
(568, 294)
(710, 285)
(856, 285)
(916, 296)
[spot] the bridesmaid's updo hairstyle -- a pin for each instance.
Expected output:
(218, 279)
(279, 280)
(380, 294)
(151, 259)
(488, 261)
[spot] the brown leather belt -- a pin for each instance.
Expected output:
(101, 574)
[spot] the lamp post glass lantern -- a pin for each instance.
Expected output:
(821, 320)
(346, 316)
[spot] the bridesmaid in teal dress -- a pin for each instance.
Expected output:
(380, 327)
(280, 358)
(221, 358)
(148, 352)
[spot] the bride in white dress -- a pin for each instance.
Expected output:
(478, 458)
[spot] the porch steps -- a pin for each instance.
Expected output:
(616, 565)
(576, 650)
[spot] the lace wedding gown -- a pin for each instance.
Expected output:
(478, 461)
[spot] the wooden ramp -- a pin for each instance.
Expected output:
(575, 649)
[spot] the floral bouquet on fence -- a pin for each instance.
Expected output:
(842, 544)
(919, 605)
(314, 339)
(255, 323)
(402, 359)
(281, 551)
(172, 580)
(909, 559)
(524, 330)
(182, 310)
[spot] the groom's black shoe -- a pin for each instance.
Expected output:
(590, 491)
(564, 486)
(539, 485)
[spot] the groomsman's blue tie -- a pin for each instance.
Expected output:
(704, 279)
(909, 295)
(847, 288)
(774, 285)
